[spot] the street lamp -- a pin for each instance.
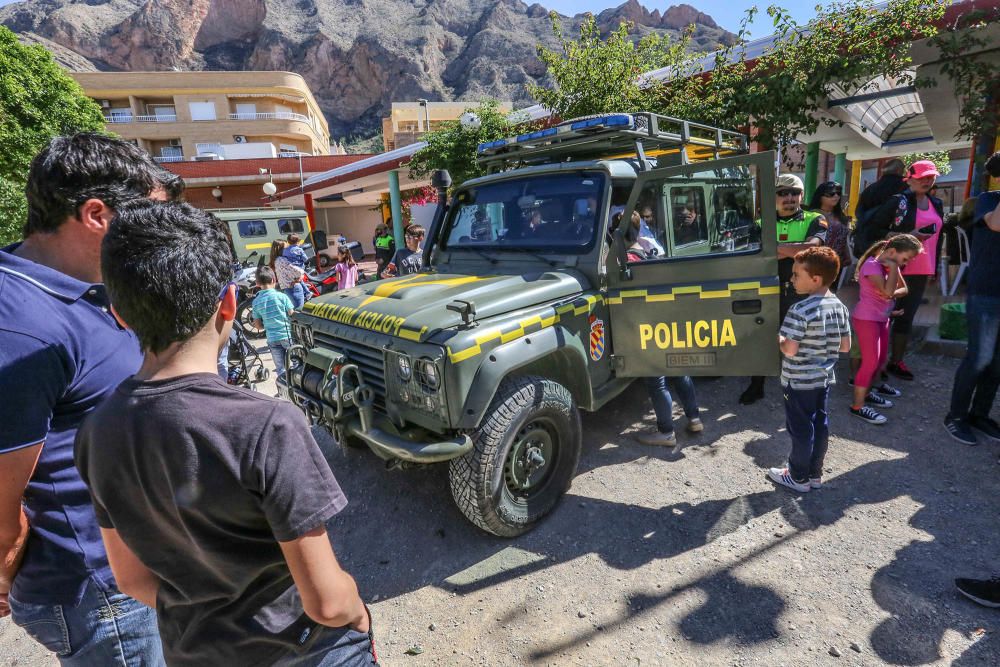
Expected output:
(217, 193)
(427, 116)
(269, 188)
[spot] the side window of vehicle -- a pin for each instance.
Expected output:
(251, 228)
(290, 226)
(711, 213)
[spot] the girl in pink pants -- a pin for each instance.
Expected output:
(879, 275)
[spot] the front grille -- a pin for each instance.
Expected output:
(368, 357)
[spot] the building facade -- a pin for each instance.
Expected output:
(183, 116)
(408, 121)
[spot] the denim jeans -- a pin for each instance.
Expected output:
(663, 405)
(106, 628)
(808, 426)
(297, 293)
(335, 647)
(978, 376)
(279, 350)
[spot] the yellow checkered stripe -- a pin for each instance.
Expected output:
(412, 334)
(582, 306)
(697, 291)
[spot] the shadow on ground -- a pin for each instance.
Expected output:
(401, 532)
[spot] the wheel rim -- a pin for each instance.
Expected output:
(246, 322)
(531, 460)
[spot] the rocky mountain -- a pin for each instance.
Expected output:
(358, 56)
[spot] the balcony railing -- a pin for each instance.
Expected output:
(277, 115)
(158, 118)
(119, 118)
(168, 158)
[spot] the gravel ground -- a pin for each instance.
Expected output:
(689, 558)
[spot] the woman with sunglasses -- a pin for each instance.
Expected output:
(828, 199)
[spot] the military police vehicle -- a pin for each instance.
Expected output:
(528, 310)
(254, 229)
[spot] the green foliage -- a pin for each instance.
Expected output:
(594, 75)
(939, 158)
(974, 76)
(453, 147)
(37, 102)
(845, 47)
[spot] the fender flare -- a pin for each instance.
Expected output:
(555, 353)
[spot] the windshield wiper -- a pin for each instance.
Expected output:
(550, 262)
(489, 258)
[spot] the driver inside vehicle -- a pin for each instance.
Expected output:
(686, 224)
(482, 226)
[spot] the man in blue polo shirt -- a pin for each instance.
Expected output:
(61, 353)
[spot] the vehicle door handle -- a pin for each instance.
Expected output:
(746, 307)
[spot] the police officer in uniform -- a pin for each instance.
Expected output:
(797, 230)
(385, 248)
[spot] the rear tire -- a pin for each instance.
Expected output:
(244, 319)
(523, 459)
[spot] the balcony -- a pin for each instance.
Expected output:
(277, 115)
(157, 118)
(168, 158)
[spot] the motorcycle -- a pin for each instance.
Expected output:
(245, 277)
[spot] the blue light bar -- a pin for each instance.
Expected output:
(491, 144)
(531, 136)
(603, 121)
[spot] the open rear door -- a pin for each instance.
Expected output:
(708, 303)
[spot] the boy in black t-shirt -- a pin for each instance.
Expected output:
(411, 258)
(212, 499)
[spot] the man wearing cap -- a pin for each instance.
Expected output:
(916, 212)
(385, 248)
(797, 230)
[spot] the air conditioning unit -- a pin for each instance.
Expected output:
(207, 157)
(240, 138)
(105, 104)
(175, 143)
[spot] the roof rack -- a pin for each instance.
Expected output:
(612, 136)
(282, 207)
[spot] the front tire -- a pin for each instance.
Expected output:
(244, 319)
(523, 459)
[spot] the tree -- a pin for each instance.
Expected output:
(940, 159)
(594, 75)
(38, 101)
(453, 147)
(847, 45)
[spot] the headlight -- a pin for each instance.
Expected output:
(427, 374)
(404, 367)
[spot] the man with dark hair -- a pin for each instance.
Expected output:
(61, 353)
(227, 539)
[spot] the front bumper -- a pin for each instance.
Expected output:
(382, 442)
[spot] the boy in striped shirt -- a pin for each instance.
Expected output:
(815, 331)
(271, 309)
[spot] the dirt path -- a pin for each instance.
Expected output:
(691, 558)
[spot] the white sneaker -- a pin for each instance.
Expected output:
(783, 477)
(657, 439)
(695, 425)
(869, 415)
(815, 482)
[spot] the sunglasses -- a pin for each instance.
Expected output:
(225, 288)
(414, 236)
(788, 192)
(832, 194)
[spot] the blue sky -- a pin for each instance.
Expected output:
(727, 13)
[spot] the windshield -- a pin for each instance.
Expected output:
(554, 213)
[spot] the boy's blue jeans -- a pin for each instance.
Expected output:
(663, 404)
(279, 351)
(106, 629)
(808, 425)
(978, 376)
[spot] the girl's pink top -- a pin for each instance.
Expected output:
(924, 263)
(872, 305)
(347, 276)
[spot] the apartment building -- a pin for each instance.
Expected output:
(408, 121)
(182, 116)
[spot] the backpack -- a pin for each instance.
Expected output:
(873, 224)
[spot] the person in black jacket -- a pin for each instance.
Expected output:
(891, 183)
(915, 212)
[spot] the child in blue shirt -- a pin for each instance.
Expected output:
(271, 309)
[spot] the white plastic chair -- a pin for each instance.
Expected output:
(963, 259)
(847, 271)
